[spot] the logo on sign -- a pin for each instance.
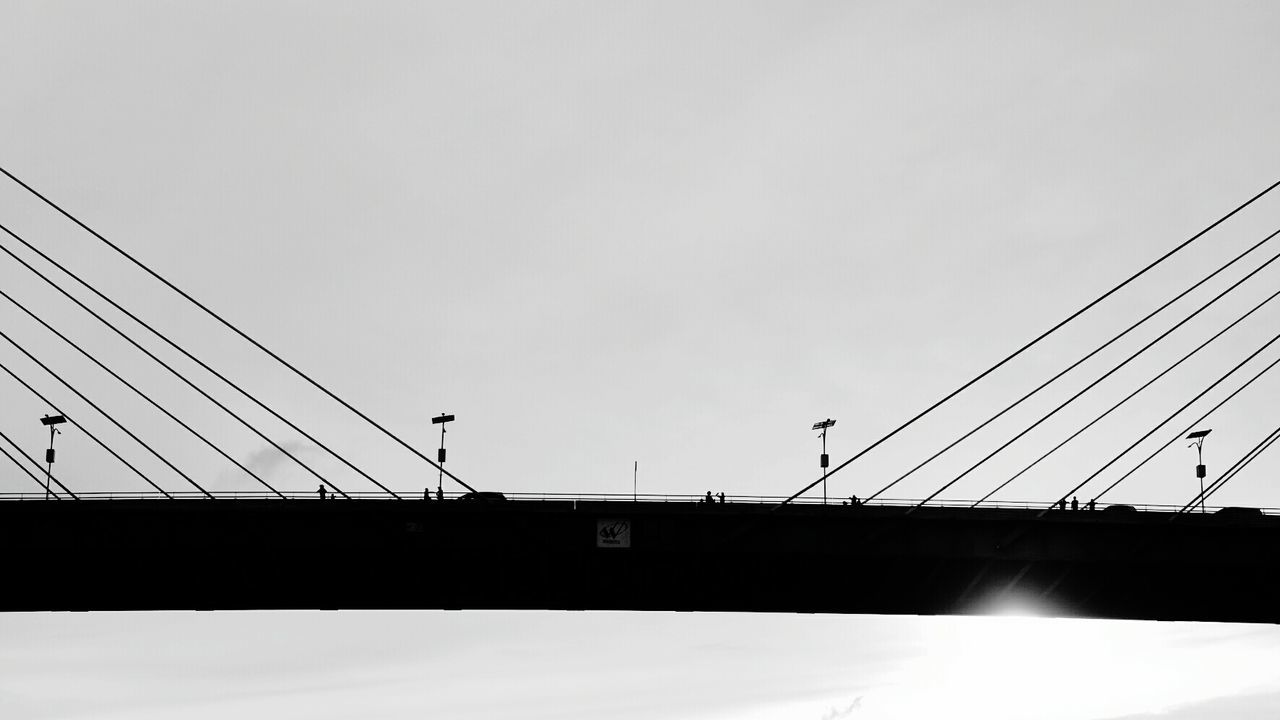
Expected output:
(613, 533)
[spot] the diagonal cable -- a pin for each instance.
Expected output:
(1234, 470)
(32, 460)
(104, 413)
(181, 350)
(1015, 353)
(174, 372)
(1192, 425)
(84, 430)
(140, 393)
(1156, 429)
(1105, 375)
(1071, 367)
(1131, 395)
(249, 339)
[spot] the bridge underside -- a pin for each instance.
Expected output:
(381, 554)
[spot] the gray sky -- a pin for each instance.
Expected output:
(671, 233)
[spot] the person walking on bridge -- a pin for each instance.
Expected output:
(1075, 504)
(321, 491)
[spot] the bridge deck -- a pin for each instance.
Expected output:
(203, 554)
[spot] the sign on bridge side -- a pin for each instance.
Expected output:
(613, 533)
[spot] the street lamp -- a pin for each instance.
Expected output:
(441, 420)
(50, 421)
(1198, 436)
(824, 460)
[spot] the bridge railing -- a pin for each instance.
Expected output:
(579, 497)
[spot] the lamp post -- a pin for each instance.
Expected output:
(824, 460)
(1198, 436)
(441, 420)
(52, 422)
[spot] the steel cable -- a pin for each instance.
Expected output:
(1016, 353)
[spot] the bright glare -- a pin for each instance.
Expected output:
(1003, 666)
(1007, 667)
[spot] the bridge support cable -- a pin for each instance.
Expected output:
(1129, 397)
(200, 436)
(28, 473)
(1234, 470)
(105, 414)
(39, 470)
(172, 371)
(1020, 350)
(226, 323)
(1104, 376)
(1161, 424)
(1192, 425)
(88, 433)
(252, 398)
(1070, 367)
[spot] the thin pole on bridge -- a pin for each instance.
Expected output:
(824, 460)
(52, 422)
(1198, 443)
(440, 420)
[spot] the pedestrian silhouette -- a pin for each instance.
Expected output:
(426, 493)
(321, 489)
(709, 500)
(1062, 504)
(853, 500)
(1093, 504)
(721, 496)
(439, 493)
(1075, 504)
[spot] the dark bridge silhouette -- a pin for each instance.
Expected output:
(582, 555)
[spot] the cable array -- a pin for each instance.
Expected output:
(200, 436)
(227, 324)
(172, 371)
(1115, 338)
(203, 365)
(1093, 303)
(1133, 356)
(1189, 427)
(1164, 422)
(316, 385)
(103, 413)
(88, 433)
(1130, 396)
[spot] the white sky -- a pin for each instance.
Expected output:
(672, 233)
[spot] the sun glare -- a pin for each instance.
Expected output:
(1015, 665)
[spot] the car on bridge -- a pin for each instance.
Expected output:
(484, 496)
(1238, 513)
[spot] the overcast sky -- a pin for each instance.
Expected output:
(668, 233)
